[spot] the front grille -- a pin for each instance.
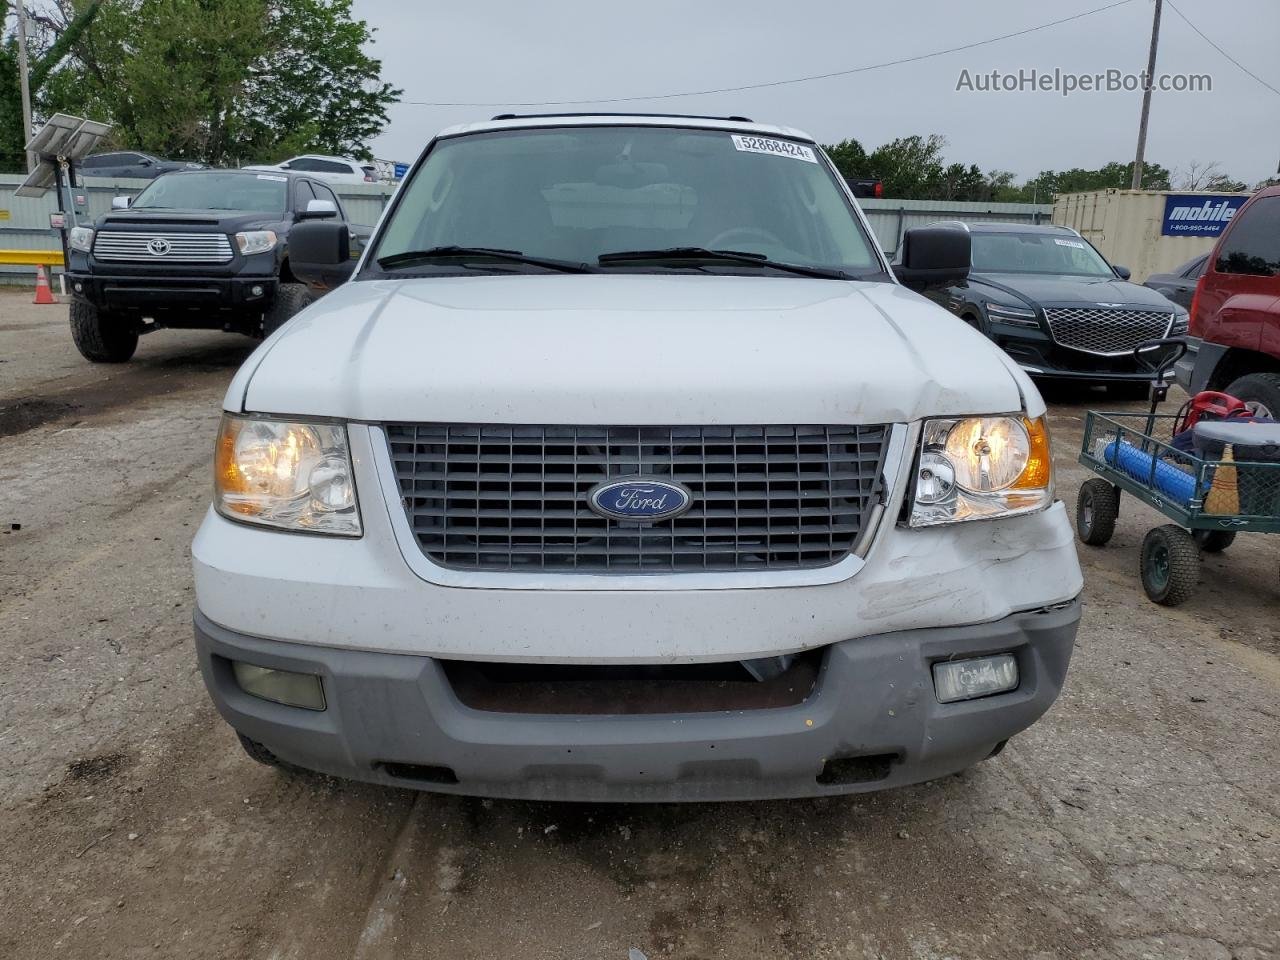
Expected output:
(515, 498)
(181, 247)
(1106, 330)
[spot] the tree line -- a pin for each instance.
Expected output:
(914, 168)
(221, 82)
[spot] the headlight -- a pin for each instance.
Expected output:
(1018, 316)
(255, 241)
(286, 474)
(1181, 322)
(970, 468)
(80, 238)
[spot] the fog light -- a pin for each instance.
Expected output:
(280, 686)
(256, 290)
(79, 288)
(980, 677)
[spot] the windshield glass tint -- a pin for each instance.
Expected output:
(216, 191)
(580, 192)
(1036, 253)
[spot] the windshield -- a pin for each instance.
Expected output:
(1037, 253)
(265, 193)
(575, 194)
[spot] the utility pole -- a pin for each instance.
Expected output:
(1139, 161)
(23, 80)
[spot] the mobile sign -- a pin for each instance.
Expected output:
(1196, 215)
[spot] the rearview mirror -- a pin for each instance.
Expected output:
(121, 203)
(934, 257)
(318, 210)
(320, 252)
(1124, 273)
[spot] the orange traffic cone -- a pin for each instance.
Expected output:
(43, 293)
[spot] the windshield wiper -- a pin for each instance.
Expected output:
(410, 258)
(728, 256)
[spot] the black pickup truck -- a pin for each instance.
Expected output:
(199, 250)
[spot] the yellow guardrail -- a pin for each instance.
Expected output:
(31, 258)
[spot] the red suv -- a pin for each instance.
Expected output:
(1235, 317)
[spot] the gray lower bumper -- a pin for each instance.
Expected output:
(1195, 371)
(390, 715)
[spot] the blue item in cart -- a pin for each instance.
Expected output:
(1175, 484)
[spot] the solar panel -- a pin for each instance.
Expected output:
(85, 138)
(49, 139)
(38, 180)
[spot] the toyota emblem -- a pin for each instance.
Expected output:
(157, 246)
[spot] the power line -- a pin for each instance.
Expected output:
(783, 83)
(1184, 19)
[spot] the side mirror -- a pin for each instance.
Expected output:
(320, 253)
(318, 210)
(1124, 273)
(934, 257)
(145, 162)
(121, 203)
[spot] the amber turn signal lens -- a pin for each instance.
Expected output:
(1038, 473)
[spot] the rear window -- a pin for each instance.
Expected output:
(1252, 246)
(316, 165)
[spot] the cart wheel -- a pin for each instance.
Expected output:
(1170, 565)
(1097, 507)
(1214, 541)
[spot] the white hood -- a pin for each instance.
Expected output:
(630, 349)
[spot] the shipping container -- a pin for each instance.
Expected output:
(1148, 231)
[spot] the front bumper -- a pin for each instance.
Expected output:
(1041, 357)
(149, 294)
(871, 721)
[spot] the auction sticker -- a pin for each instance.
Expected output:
(777, 148)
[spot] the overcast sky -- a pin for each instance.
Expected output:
(514, 50)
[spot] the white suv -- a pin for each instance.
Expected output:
(624, 468)
(333, 169)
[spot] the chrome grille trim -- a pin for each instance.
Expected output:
(513, 499)
(183, 247)
(1106, 331)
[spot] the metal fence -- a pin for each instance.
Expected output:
(24, 223)
(891, 218)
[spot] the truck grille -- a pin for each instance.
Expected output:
(515, 498)
(1106, 330)
(162, 247)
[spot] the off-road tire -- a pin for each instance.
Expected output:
(100, 337)
(1097, 506)
(290, 299)
(1169, 565)
(1260, 389)
(1214, 541)
(260, 753)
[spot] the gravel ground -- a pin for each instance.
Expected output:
(1139, 819)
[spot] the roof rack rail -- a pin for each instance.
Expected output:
(596, 113)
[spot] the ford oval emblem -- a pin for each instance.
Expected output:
(640, 499)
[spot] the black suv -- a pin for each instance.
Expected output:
(199, 250)
(1057, 307)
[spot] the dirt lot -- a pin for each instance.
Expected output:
(1140, 819)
